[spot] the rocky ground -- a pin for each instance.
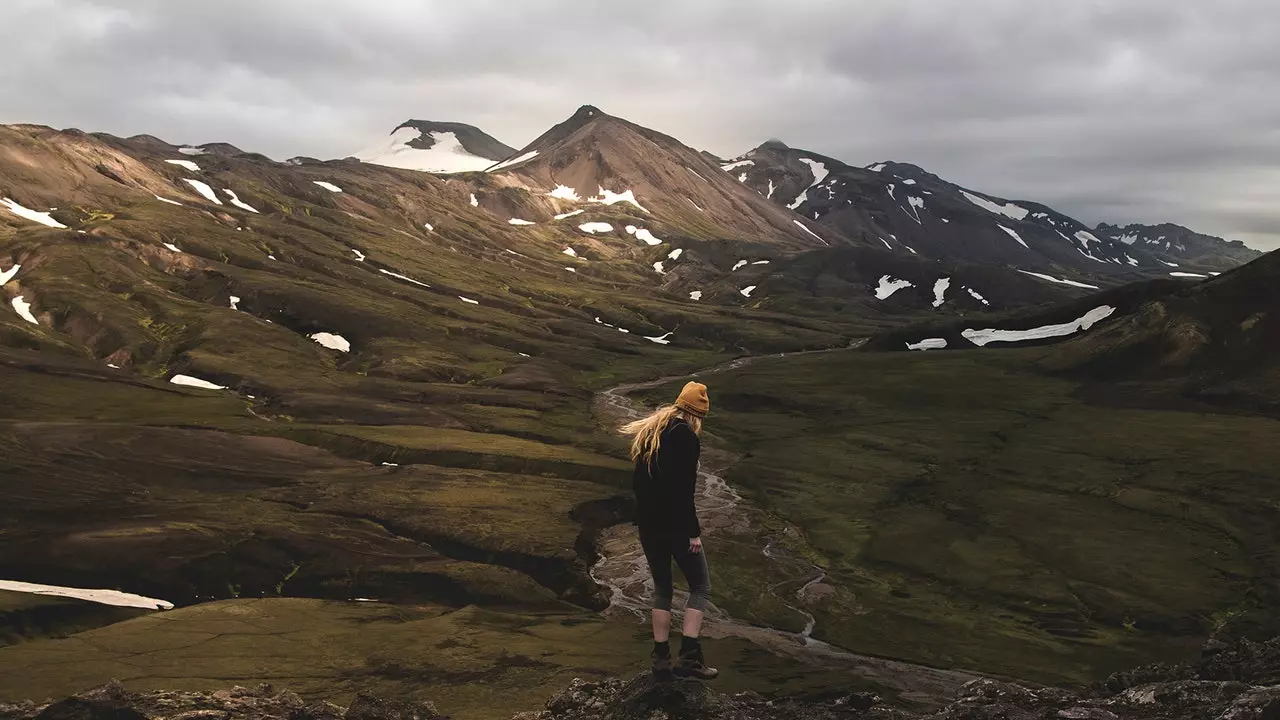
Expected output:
(1228, 683)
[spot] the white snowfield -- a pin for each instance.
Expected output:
(977, 297)
(518, 221)
(890, 285)
(474, 201)
(746, 291)
(595, 227)
(662, 340)
(940, 291)
(360, 257)
(564, 192)
(235, 200)
(185, 164)
(1008, 210)
(735, 165)
(332, 341)
(195, 382)
(607, 197)
(429, 227)
(102, 597)
(172, 247)
(877, 167)
(569, 214)
(9, 274)
(928, 344)
(1187, 275)
(1085, 237)
(657, 267)
(647, 237)
(739, 264)
(235, 302)
(695, 295)
(1084, 322)
(802, 227)
(445, 156)
(1014, 234)
(1060, 281)
(468, 300)
(328, 186)
(167, 200)
(41, 217)
(675, 254)
(193, 151)
(820, 173)
(204, 190)
(23, 308)
(760, 262)
(514, 161)
(406, 278)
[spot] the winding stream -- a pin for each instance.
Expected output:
(721, 510)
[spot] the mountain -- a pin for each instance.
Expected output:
(908, 209)
(438, 147)
(1178, 244)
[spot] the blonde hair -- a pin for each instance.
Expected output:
(647, 431)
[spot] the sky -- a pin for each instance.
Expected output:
(1110, 111)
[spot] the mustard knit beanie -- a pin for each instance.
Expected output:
(693, 399)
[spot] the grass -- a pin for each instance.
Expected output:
(974, 513)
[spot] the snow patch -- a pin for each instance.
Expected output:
(185, 164)
(735, 165)
(657, 267)
(820, 173)
(928, 344)
(977, 297)
(746, 291)
(1187, 275)
(570, 252)
(695, 172)
(23, 308)
(1084, 322)
(114, 598)
(890, 285)
(675, 254)
(167, 200)
(631, 229)
(802, 227)
(1168, 263)
(595, 227)
(195, 382)
(9, 274)
(235, 302)
(877, 167)
(236, 201)
(360, 257)
(760, 262)
(332, 341)
(474, 201)
(564, 192)
(204, 190)
(398, 276)
(514, 161)
(40, 217)
(1131, 260)
(662, 340)
(742, 178)
(328, 186)
(1060, 281)
(886, 243)
(193, 151)
(645, 235)
(518, 221)
(908, 182)
(695, 205)
(1085, 237)
(607, 197)
(468, 300)
(570, 214)
(1014, 234)
(771, 189)
(1009, 210)
(446, 154)
(429, 227)
(572, 270)
(940, 291)
(695, 295)
(739, 264)
(173, 247)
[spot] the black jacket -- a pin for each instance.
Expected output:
(665, 488)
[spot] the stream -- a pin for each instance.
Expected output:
(722, 510)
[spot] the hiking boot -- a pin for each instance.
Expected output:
(661, 667)
(692, 665)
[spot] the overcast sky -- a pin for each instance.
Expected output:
(1119, 111)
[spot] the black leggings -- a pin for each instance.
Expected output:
(660, 549)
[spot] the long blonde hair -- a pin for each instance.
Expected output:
(647, 431)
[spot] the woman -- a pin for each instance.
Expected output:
(665, 448)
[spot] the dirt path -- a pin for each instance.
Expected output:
(722, 510)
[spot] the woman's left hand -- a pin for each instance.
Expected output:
(695, 545)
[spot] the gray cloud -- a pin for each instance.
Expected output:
(1110, 110)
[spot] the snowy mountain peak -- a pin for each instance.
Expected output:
(438, 147)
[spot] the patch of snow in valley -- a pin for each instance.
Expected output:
(1085, 237)
(977, 297)
(802, 227)
(235, 302)
(167, 200)
(360, 257)
(569, 214)
(657, 267)
(647, 237)
(468, 300)
(1168, 263)
(746, 291)
(204, 190)
(675, 254)
(398, 276)
(607, 197)
(891, 188)
(631, 229)
(739, 264)
(760, 262)
(695, 295)
(114, 598)
(570, 252)
(9, 274)
(514, 161)
(1060, 281)
(1131, 260)
(940, 291)
(886, 243)
(564, 192)
(913, 250)
(332, 341)
(173, 247)
(193, 151)
(820, 173)
(662, 340)
(595, 227)
(236, 201)
(474, 201)
(928, 344)
(446, 154)
(41, 217)
(23, 308)
(916, 204)
(771, 189)
(908, 182)
(1009, 210)
(518, 221)
(185, 164)
(1187, 275)
(195, 382)
(742, 178)
(1014, 234)
(890, 285)
(735, 165)
(328, 186)
(1086, 321)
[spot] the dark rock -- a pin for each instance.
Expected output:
(110, 702)
(371, 707)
